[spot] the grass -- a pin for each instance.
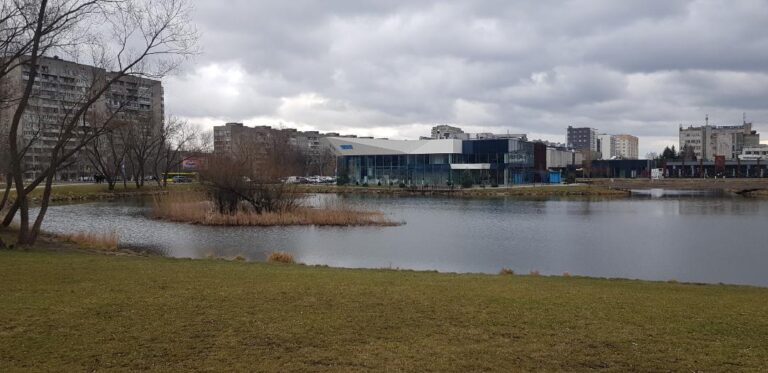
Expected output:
(90, 191)
(192, 208)
(65, 311)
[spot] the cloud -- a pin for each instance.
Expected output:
(395, 68)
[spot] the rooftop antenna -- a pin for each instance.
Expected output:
(744, 118)
(706, 120)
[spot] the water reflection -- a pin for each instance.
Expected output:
(687, 239)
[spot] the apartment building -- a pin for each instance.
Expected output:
(60, 87)
(625, 146)
(606, 146)
(318, 156)
(582, 138)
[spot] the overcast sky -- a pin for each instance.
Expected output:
(396, 68)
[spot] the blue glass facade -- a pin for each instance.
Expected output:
(501, 162)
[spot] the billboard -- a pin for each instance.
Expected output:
(193, 164)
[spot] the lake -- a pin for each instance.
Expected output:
(654, 236)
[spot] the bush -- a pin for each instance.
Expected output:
(570, 179)
(342, 180)
(365, 185)
(466, 181)
(378, 183)
(506, 271)
(494, 185)
(280, 257)
(402, 185)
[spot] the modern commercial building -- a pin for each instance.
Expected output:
(708, 141)
(61, 87)
(444, 162)
(582, 138)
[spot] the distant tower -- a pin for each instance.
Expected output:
(706, 120)
(743, 118)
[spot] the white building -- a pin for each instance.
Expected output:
(606, 146)
(754, 153)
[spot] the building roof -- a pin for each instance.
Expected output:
(361, 146)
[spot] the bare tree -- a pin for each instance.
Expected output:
(145, 38)
(107, 154)
(142, 142)
(179, 141)
(251, 175)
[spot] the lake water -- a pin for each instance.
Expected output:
(685, 238)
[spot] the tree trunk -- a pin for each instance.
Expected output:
(6, 192)
(43, 209)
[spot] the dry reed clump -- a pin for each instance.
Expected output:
(194, 208)
(506, 271)
(280, 257)
(566, 274)
(92, 240)
(535, 272)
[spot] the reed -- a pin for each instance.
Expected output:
(93, 240)
(196, 209)
(281, 257)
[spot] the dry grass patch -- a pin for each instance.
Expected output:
(92, 240)
(193, 208)
(281, 257)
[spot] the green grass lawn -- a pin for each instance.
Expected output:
(67, 311)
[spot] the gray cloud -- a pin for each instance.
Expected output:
(394, 68)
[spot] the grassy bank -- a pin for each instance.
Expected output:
(92, 192)
(735, 185)
(64, 311)
(540, 190)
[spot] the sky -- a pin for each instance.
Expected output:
(396, 68)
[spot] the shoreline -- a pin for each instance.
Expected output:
(56, 243)
(584, 188)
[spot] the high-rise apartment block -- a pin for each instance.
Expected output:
(59, 89)
(625, 146)
(708, 141)
(582, 138)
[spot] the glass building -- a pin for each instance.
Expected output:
(433, 162)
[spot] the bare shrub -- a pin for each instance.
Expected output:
(280, 257)
(566, 274)
(534, 272)
(506, 271)
(249, 176)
